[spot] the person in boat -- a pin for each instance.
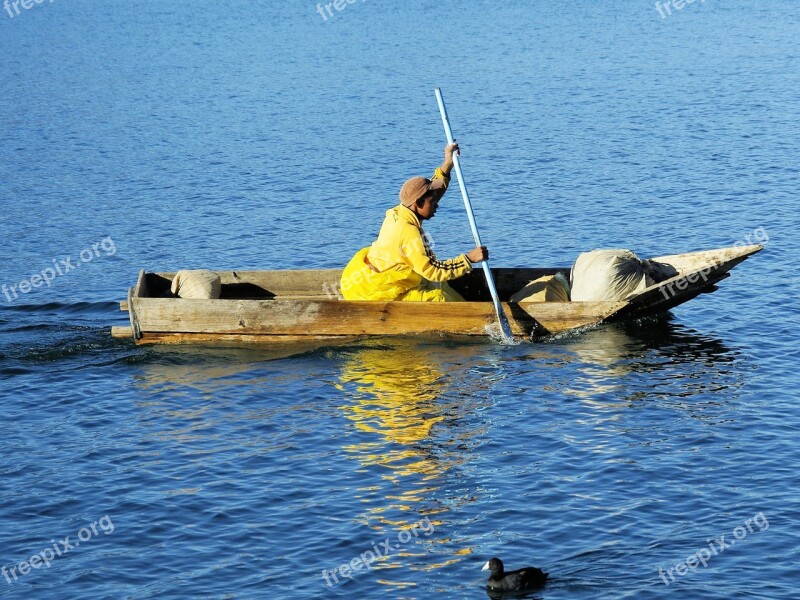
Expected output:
(400, 264)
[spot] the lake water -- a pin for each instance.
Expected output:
(247, 135)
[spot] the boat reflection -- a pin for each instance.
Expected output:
(188, 392)
(609, 358)
(206, 368)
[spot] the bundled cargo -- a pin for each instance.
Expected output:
(549, 288)
(608, 276)
(197, 285)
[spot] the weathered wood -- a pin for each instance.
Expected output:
(307, 341)
(290, 306)
(121, 331)
(698, 273)
(670, 294)
(721, 259)
(140, 290)
(330, 317)
(557, 317)
(316, 283)
(123, 306)
(323, 284)
(317, 317)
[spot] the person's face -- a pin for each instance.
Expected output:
(430, 203)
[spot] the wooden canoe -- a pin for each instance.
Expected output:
(266, 307)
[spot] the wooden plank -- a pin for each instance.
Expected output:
(557, 317)
(239, 339)
(719, 259)
(123, 306)
(324, 283)
(320, 283)
(673, 292)
(306, 317)
(309, 317)
(140, 290)
(121, 332)
(137, 331)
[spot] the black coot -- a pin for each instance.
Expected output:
(528, 578)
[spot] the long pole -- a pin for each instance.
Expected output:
(498, 308)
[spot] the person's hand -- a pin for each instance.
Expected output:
(447, 165)
(478, 254)
(448, 152)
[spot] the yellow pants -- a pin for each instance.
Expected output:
(360, 282)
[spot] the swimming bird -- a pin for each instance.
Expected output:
(528, 578)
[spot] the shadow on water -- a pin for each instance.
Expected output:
(632, 340)
(207, 368)
(610, 360)
(534, 595)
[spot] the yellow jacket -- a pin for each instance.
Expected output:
(400, 261)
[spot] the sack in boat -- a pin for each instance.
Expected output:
(608, 276)
(550, 288)
(197, 285)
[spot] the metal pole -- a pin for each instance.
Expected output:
(498, 308)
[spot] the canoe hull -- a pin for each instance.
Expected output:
(297, 306)
(270, 320)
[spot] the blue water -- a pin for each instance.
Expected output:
(259, 135)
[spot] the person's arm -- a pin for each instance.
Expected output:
(447, 165)
(422, 260)
(443, 172)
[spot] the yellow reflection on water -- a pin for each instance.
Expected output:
(395, 399)
(398, 398)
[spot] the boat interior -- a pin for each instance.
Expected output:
(323, 284)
